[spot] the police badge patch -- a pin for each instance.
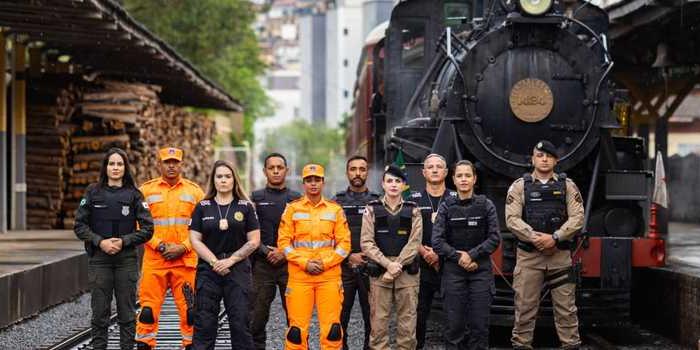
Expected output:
(510, 199)
(125, 210)
(83, 201)
(238, 216)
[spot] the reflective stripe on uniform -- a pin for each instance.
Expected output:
(341, 252)
(313, 244)
(301, 216)
(288, 250)
(328, 216)
(171, 221)
(146, 336)
(187, 197)
(154, 198)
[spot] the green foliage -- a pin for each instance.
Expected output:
(311, 144)
(218, 38)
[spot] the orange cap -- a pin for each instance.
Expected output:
(312, 170)
(170, 153)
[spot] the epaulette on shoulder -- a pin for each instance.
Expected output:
(151, 181)
(526, 177)
(205, 202)
(190, 182)
(451, 200)
(258, 192)
(562, 176)
(243, 202)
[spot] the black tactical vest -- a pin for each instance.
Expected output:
(112, 212)
(354, 204)
(426, 205)
(269, 205)
(391, 232)
(545, 204)
(467, 224)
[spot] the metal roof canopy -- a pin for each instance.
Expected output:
(102, 38)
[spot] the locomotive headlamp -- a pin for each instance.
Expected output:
(535, 7)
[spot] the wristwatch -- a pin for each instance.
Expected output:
(555, 237)
(161, 247)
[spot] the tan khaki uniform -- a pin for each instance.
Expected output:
(403, 291)
(532, 268)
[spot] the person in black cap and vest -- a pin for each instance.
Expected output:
(429, 200)
(544, 210)
(354, 275)
(106, 221)
(465, 235)
(391, 233)
(269, 263)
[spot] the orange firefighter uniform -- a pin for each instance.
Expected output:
(171, 208)
(314, 231)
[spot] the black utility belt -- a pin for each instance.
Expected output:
(376, 270)
(529, 247)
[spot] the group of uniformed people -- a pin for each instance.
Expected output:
(394, 254)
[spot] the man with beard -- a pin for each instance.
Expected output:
(429, 200)
(269, 264)
(354, 275)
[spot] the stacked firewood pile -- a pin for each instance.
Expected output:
(90, 119)
(47, 150)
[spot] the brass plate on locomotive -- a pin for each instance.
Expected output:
(531, 100)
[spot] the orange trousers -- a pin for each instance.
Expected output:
(301, 296)
(154, 284)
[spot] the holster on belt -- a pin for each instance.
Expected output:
(374, 269)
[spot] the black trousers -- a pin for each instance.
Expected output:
(354, 282)
(469, 296)
(267, 279)
(429, 285)
(234, 289)
(113, 275)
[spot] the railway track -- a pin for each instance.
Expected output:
(168, 332)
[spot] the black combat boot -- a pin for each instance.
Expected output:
(142, 346)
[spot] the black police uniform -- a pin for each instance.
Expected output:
(234, 288)
(269, 205)
(429, 278)
(469, 225)
(354, 280)
(112, 212)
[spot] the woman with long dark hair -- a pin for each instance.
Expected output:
(113, 220)
(224, 232)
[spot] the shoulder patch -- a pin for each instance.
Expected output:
(205, 202)
(453, 193)
(509, 199)
(243, 202)
(416, 195)
(577, 197)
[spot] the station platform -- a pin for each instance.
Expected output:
(666, 300)
(39, 269)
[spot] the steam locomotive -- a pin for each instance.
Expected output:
(484, 80)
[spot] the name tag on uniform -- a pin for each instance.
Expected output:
(402, 232)
(472, 223)
(301, 216)
(207, 218)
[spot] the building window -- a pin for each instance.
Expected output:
(345, 31)
(345, 62)
(346, 93)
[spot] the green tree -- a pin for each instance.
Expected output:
(309, 144)
(217, 37)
